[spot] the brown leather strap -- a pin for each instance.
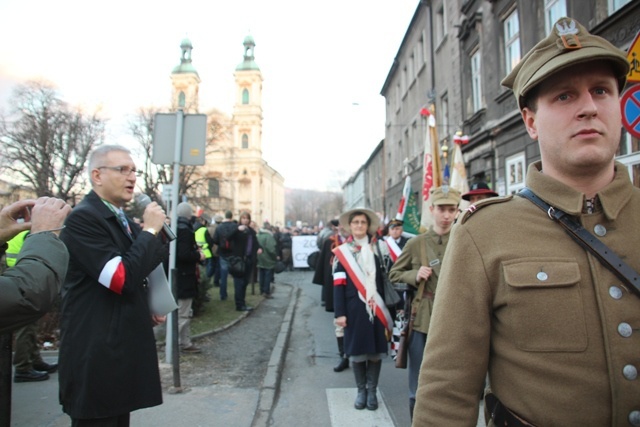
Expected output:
(500, 414)
(588, 241)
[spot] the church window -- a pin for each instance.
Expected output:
(245, 140)
(182, 100)
(245, 96)
(214, 187)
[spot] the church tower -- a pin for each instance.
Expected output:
(185, 82)
(247, 111)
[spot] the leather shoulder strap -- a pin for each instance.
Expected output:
(588, 241)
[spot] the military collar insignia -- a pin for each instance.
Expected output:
(568, 32)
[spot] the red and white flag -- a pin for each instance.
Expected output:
(432, 169)
(406, 193)
(459, 175)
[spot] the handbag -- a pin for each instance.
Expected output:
(236, 266)
(391, 297)
(279, 267)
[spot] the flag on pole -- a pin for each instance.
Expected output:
(408, 210)
(432, 169)
(459, 175)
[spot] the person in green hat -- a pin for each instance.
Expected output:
(556, 329)
(419, 267)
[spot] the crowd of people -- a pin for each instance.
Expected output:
(498, 298)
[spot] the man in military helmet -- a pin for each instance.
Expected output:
(518, 297)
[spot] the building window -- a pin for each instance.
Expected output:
(398, 97)
(214, 187)
(614, 5)
(515, 171)
(182, 100)
(245, 141)
(441, 25)
(444, 117)
(511, 41)
(476, 81)
(419, 55)
(553, 10)
(245, 96)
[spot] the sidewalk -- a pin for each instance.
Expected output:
(36, 404)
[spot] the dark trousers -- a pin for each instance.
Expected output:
(117, 421)
(265, 276)
(240, 283)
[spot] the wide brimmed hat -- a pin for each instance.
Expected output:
(374, 221)
(568, 44)
(477, 189)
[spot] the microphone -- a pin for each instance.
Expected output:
(166, 231)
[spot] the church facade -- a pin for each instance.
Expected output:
(235, 176)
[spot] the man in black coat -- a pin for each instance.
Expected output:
(188, 255)
(108, 363)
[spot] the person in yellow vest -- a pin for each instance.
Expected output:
(205, 243)
(27, 360)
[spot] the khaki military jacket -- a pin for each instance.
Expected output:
(556, 330)
(425, 249)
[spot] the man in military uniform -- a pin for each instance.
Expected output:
(419, 267)
(554, 327)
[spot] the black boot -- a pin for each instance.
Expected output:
(412, 404)
(360, 372)
(373, 373)
(344, 359)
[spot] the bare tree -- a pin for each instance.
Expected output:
(311, 206)
(46, 142)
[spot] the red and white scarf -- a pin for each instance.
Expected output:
(394, 249)
(374, 302)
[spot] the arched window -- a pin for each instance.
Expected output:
(182, 99)
(245, 140)
(214, 187)
(245, 96)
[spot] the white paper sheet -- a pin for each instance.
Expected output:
(161, 299)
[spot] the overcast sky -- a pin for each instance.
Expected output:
(323, 66)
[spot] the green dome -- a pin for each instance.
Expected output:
(248, 63)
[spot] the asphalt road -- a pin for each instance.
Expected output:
(273, 367)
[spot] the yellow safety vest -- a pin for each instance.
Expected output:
(202, 241)
(13, 248)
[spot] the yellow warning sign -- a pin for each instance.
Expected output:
(633, 56)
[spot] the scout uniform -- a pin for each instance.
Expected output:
(556, 330)
(425, 249)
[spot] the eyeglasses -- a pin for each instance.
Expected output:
(124, 170)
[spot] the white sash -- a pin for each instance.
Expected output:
(394, 249)
(354, 271)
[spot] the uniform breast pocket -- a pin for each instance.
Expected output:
(544, 305)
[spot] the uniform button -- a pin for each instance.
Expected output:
(600, 230)
(625, 329)
(542, 276)
(615, 292)
(630, 372)
(634, 418)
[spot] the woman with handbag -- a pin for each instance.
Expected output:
(359, 303)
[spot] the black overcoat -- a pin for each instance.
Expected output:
(187, 258)
(361, 335)
(108, 364)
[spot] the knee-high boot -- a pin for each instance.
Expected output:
(344, 359)
(373, 373)
(360, 372)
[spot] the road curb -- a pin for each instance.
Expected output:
(271, 382)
